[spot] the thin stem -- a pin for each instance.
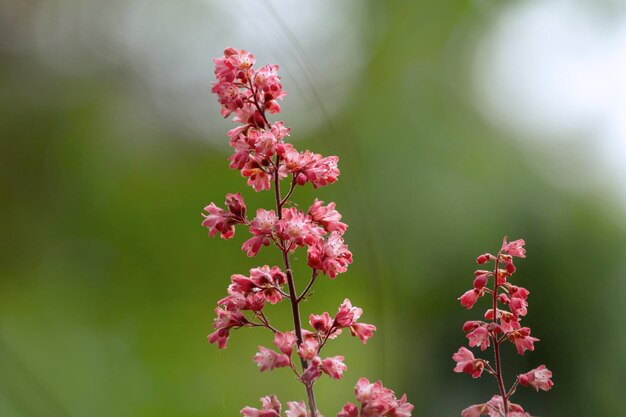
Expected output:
(293, 186)
(308, 287)
(295, 310)
(285, 252)
(512, 390)
(496, 342)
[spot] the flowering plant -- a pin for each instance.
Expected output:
(263, 156)
(501, 324)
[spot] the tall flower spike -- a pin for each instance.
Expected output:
(503, 325)
(262, 156)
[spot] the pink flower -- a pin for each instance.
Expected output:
(484, 258)
(285, 342)
(470, 297)
(234, 64)
(268, 84)
(312, 372)
(263, 223)
(402, 408)
(480, 281)
(279, 130)
(258, 174)
(321, 323)
(522, 340)
(297, 228)
(508, 320)
(242, 152)
(474, 410)
(331, 256)
(228, 96)
(465, 362)
(479, 337)
(253, 245)
(494, 408)
(323, 171)
(349, 410)
(538, 378)
(308, 349)
(271, 408)
(267, 359)
(378, 401)
(224, 221)
(515, 248)
(262, 285)
(262, 141)
(363, 330)
(268, 281)
(296, 409)
(334, 366)
(225, 321)
(347, 315)
(262, 227)
(309, 166)
(327, 216)
(518, 306)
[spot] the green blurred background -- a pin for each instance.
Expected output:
(110, 146)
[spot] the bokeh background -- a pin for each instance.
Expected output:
(456, 122)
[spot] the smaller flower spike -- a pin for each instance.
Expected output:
(508, 305)
(538, 378)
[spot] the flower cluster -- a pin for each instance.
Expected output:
(502, 322)
(265, 159)
(376, 401)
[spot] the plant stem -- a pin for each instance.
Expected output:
(496, 343)
(293, 295)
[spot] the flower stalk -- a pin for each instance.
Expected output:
(503, 324)
(265, 158)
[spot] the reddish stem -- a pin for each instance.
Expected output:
(293, 295)
(496, 342)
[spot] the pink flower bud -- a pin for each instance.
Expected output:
(484, 258)
(510, 268)
(480, 281)
(471, 325)
(470, 297)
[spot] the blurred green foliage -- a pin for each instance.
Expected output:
(107, 281)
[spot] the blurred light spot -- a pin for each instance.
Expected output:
(553, 74)
(166, 49)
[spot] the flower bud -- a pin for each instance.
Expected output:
(482, 258)
(510, 268)
(480, 281)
